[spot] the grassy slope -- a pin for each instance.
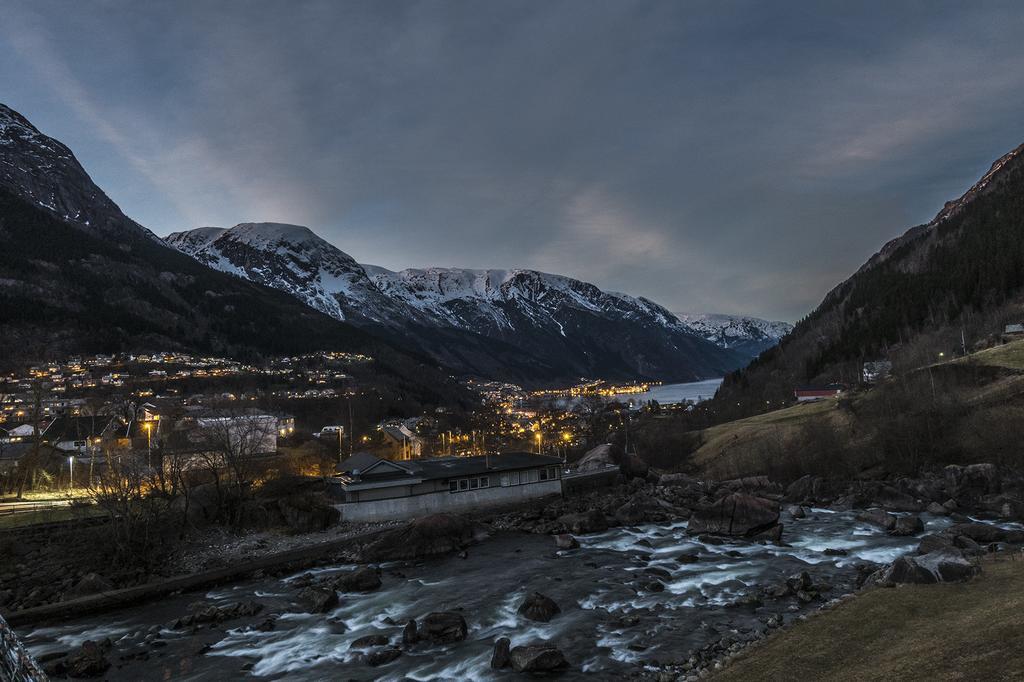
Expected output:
(1010, 356)
(968, 631)
(737, 436)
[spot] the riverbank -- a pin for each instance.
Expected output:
(962, 631)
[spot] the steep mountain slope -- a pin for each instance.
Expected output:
(45, 173)
(98, 282)
(748, 335)
(517, 324)
(950, 283)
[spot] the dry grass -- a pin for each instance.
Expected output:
(737, 438)
(1009, 355)
(966, 631)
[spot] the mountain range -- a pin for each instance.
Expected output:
(77, 275)
(515, 323)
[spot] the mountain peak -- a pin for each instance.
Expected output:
(45, 173)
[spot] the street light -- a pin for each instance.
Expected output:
(71, 473)
(149, 443)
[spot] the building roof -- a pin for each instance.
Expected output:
(79, 428)
(357, 462)
(444, 467)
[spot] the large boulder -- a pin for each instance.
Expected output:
(907, 570)
(318, 599)
(907, 525)
(364, 579)
(442, 627)
(537, 658)
(972, 482)
(929, 568)
(937, 543)
(429, 536)
(539, 607)
(592, 521)
(878, 517)
(979, 532)
(946, 567)
(736, 515)
(602, 457)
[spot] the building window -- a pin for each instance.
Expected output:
(543, 474)
(485, 481)
(474, 484)
(505, 481)
(463, 484)
(453, 486)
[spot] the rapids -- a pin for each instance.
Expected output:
(610, 621)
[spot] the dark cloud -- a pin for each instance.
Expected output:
(728, 157)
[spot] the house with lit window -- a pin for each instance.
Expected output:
(367, 488)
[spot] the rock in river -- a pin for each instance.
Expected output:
(365, 579)
(538, 657)
(736, 515)
(319, 599)
(539, 607)
(442, 627)
(907, 525)
(501, 657)
(566, 541)
(878, 517)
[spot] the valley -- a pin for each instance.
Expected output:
(496, 341)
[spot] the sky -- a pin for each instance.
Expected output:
(728, 157)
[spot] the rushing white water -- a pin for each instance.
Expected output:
(612, 618)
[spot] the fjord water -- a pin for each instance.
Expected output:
(609, 622)
(671, 394)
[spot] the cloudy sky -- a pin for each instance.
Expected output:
(714, 156)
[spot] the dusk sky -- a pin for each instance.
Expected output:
(717, 156)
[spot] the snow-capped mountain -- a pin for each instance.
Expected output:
(78, 276)
(479, 321)
(46, 173)
(749, 335)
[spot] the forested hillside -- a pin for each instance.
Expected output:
(951, 283)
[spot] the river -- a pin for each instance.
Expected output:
(610, 621)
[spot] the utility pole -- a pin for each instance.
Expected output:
(351, 428)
